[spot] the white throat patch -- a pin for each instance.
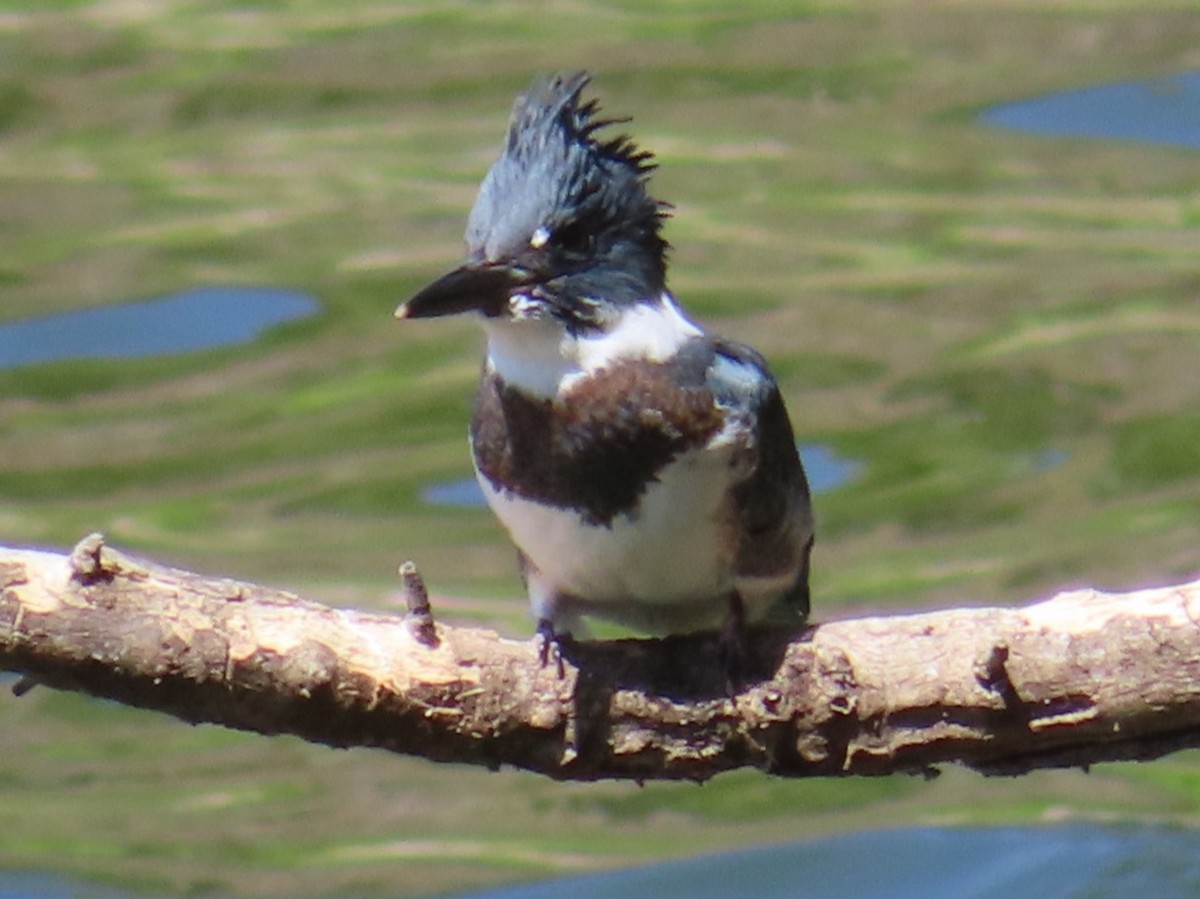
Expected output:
(542, 358)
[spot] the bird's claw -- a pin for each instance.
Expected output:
(549, 644)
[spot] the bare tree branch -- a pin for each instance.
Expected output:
(1080, 678)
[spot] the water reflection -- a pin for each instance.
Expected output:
(184, 322)
(17, 885)
(905, 863)
(915, 863)
(1155, 111)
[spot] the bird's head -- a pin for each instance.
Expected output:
(563, 228)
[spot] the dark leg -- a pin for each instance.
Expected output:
(550, 645)
(731, 642)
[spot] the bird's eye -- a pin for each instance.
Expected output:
(574, 238)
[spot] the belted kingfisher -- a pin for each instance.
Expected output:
(645, 469)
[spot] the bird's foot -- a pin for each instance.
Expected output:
(731, 643)
(550, 644)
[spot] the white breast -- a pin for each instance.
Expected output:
(672, 559)
(669, 566)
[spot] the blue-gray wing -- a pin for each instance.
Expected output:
(773, 504)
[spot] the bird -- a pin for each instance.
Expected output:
(645, 468)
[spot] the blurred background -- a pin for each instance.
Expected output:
(989, 336)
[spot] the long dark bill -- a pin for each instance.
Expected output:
(475, 287)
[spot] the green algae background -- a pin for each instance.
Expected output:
(943, 302)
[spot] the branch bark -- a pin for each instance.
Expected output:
(1080, 678)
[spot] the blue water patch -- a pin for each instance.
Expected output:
(198, 319)
(916, 863)
(461, 493)
(825, 468)
(1048, 459)
(1155, 111)
(16, 885)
